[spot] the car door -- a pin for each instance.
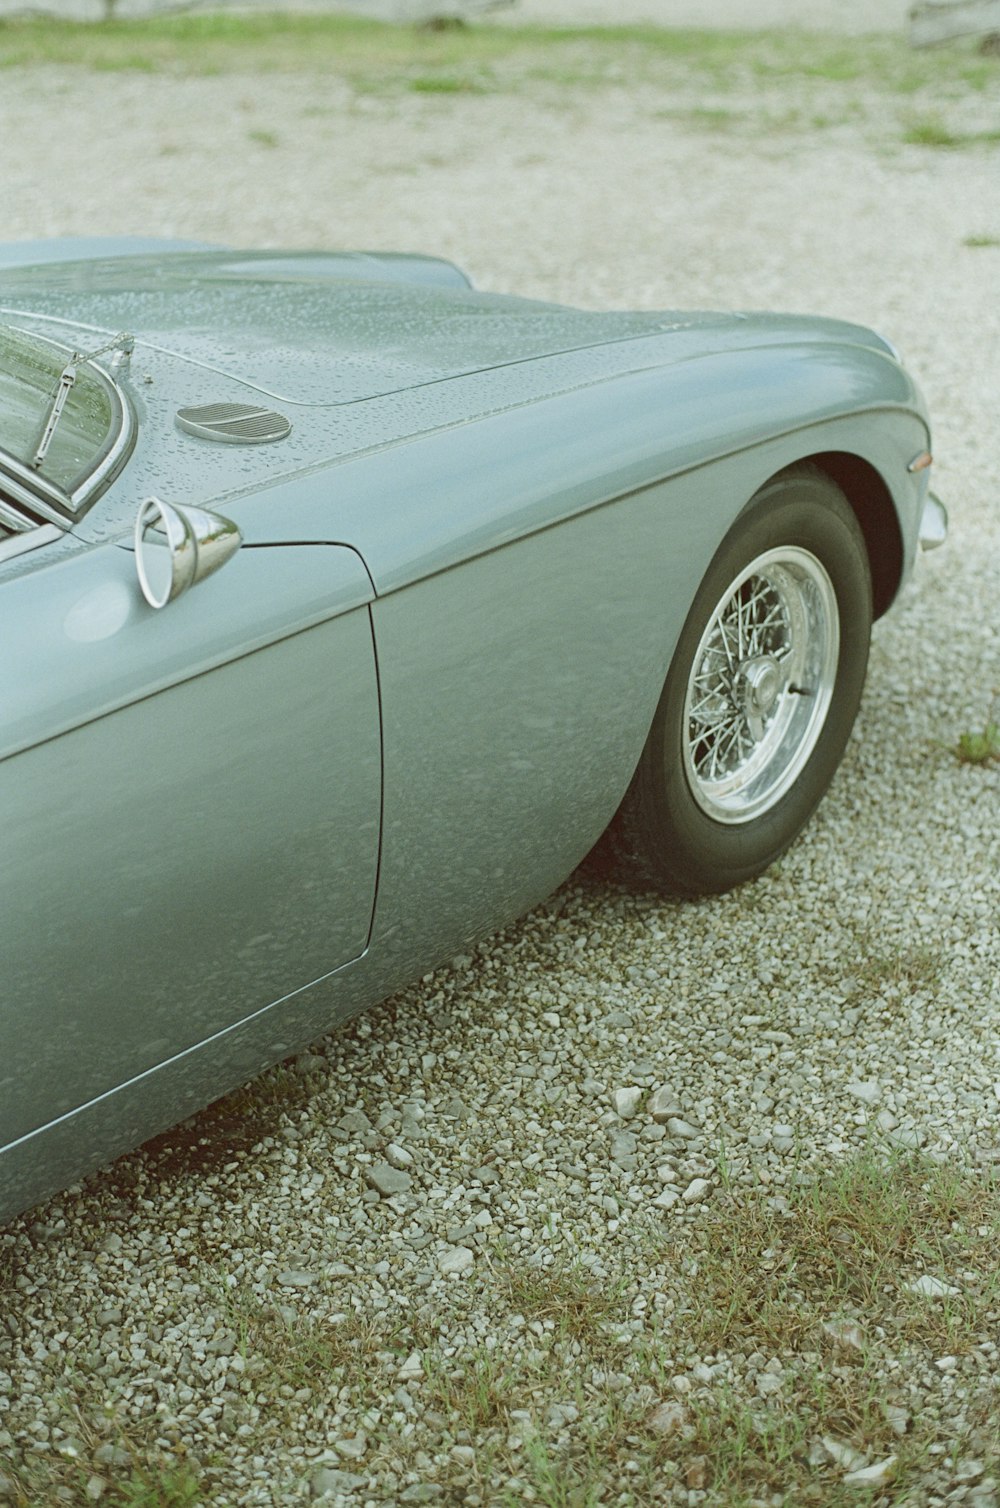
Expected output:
(190, 804)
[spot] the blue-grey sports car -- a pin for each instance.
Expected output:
(344, 609)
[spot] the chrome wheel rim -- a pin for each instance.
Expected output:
(760, 685)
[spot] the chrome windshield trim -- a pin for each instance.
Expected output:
(115, 457)
(27, 489)
(31, 539)
(10, 518)
(69, 506)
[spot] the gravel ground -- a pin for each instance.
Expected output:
(325, 1286)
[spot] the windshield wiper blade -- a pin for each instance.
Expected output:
(67, 377)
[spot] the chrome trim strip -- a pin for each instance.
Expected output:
(933, 523)
(31, 539)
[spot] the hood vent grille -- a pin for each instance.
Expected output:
(234, 423)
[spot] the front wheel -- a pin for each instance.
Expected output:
(761, 694)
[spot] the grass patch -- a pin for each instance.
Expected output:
(981, 745)
(760, 84)
(376, 54)
(317, 1351)
(143, 1487)
(976, 242)
(101, 1462)
(576, 1304)
(765, 1328)
(901, 971)
(933, 131)
(848, 1246)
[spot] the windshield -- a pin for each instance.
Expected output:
(88, 424)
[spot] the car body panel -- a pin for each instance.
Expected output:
(406, 708)
(263, 766)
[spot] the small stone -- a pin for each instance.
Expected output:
(667, 1418)
(7, 1487)
(353, 1446)
(844, 1455)
(667, 1199)
(907, 1138)
(626, 1101)
(845, 1333)
(112, 1455)
(663, 1103)
(398, 1156)
(867, 1476)
(295, 1278)
(683, 1129)
(354, 1122)
(969, 1470)
(680, 1383)
(932, 1288)
(421, 1492)
(310, 1062)
(696, 1190)
(768, 1383)
(868, 1091)
(455, 1259)
(388, 1180)
(327, 1481)
(696, 1474)
(465, 1455)
(897, 1418)
(109, 1317)
(946, 1363)
(412, 1368)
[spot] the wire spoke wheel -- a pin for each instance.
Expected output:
(761, 695)
(760, 685)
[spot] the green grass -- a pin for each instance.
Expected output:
(559, 1406)
(981, 745)
(355, 48)
(848, 1246)
(760, 84)
(933, 131)
(979, 241)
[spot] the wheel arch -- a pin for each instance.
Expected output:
(871, 502)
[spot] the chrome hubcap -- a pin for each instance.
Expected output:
(760, 685)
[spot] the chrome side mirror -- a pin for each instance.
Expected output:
(176, 547)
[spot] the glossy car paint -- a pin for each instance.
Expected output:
(408, 706)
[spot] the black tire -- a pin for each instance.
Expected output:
(699, 818)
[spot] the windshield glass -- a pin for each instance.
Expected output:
(30, 372)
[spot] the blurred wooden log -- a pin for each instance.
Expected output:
(933, 21)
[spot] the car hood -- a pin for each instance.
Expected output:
(293, 332)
